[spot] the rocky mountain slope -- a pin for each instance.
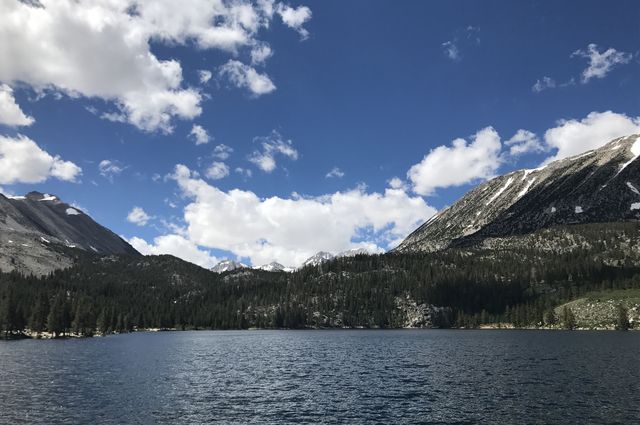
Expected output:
(227, 266)
(598, 186)
(37, 230)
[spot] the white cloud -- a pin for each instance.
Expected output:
(217, 171)
(245, 76)
(290, 230)
(544, 84)
(397, 183)
(222, 151)
(10, 112)
(600, 64)
(244, 172)
(295, 18)
(204, 76)
(572, 137)
(138, 216)
(335, 172)
(199, 134)
(458, 164)
(23, 161)
(272, 145)
(102, 49)
(451, 50)
(110, 168)
(523, 142)
(260, 53)
(177, 246)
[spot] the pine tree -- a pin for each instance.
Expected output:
(39, 312)
(56, 318)
(84, 319)
(9, 320)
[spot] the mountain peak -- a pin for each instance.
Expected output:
(227, 265)
(595, 186)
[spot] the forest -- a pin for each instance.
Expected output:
(113, 294)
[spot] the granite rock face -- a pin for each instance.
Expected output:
(38, 230)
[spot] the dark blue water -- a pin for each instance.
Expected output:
(324, 377)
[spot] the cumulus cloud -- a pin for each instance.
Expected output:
(23, 161)
(177, 246)
(524, 141)
(458, 164)
(272, 145)
(290, 230)
(199, 134)
(217, 170)
(222, 151)
(110, 168)
(572, 137)
(335, 172)
(102, 49)
(295, 18)
(600, 64)
(245, 76)
(138, 216)
(10, 113)
(260, 53)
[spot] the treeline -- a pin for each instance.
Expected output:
(118, 294)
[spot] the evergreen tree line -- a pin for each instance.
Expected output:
(102, 295)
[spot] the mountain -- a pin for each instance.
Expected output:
(37, 230)
(353, 252)
(598, 186)
(322, 256)
(318, 258)
(275, 267)
(227, 266)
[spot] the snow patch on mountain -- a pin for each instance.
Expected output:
(500, 191)
(526, 188)
(633, 188)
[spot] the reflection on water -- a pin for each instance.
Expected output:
(324, 376)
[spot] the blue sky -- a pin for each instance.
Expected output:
(372, 89)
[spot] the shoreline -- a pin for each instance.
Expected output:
(49, 336)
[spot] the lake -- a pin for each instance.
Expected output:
(341, 376)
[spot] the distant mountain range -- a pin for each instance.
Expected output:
(315, 260)
(598, 186)
(37, 230)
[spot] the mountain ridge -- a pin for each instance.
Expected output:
(599, 185)
(38, 228)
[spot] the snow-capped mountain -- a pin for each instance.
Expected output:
(227, 266)
(323, 256)
(318, 258)
(275, 267)
(353, 252)
(33, 228)
(601, 185)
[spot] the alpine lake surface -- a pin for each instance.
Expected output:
(324, 376)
